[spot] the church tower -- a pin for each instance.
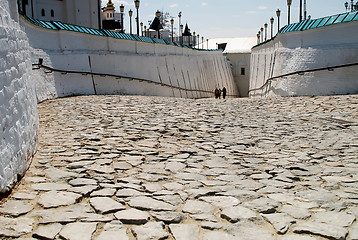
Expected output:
(109, 11)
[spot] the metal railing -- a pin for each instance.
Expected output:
(40, 65)
(302, 73)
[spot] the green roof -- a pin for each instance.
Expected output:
(60, 26)
(317, 23)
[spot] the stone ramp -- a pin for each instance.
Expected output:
(111, 167)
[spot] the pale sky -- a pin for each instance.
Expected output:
(227, 18)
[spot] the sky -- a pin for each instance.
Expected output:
(227, 18)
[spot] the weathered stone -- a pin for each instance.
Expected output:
(235, 214)
(213, 235)
(221, 201)
(55, 199)
(280, 221)
(24, 195)
(248, 231)
(106, 192)
(129, 193)
(262, 205)
(184, 231)
(16, 208)
(84, 190)
(49, 231)
(113, 231)
(50, 186)
(132, 216)
(10, 227)
(335, 218)
(211, 225)
(150, 231)
(168, 217)
(82, 182)
(196, 207)
(78, 231)
(148, 203)
(322, 229)
(296, 237)
(106, 205)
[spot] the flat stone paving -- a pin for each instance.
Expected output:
(128, 167)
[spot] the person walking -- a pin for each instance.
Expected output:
(224, 93)
(216, 93)
(219, 93)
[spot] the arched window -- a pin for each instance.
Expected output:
(43, 12)
(52, 13)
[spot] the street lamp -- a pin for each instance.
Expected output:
(289, 2)
(305, 9)
(145, 31)
(122, 23)
(194, 38)
(271, 21)
(141, 28)
(130, 20)
(266, 31)
(262, 34)
(179, 15)
(136, 3)
(181, 36)
(301, 11)
(278, 14)
(189, 36)
(198, 41)
(207, 44)
(172, 23)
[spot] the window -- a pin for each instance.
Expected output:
(243, 71)
(52, 13)
(43, 12)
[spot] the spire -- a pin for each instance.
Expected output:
(186, 31)
(110, 6)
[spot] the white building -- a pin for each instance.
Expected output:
(79, 12)
(238, 52)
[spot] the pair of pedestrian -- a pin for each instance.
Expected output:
(219, 91)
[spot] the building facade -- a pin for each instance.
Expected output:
(79, 12)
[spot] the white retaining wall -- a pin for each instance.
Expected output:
(170, 65)
(311, 49)
(18, 107)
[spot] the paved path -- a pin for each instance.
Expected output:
(111, 167)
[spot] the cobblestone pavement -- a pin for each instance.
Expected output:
(111, 167)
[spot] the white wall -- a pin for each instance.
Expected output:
(18, 108)
(311, 49)
(239, 61)
(170, 65)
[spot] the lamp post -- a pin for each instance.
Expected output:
(271, 21)
(305, 10)
(198, 41)
(207, 44)
(181, 35)
(122, 23)
(194, 38)
(141, 28)
(301, 11)
(289, 2)
(157, 15)
(145, 31)
(172, 23)
(262, 34)
(266, 31)
(179, 15)
(130, 20)
(278, 14)
(189, 36)
(136, 3)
